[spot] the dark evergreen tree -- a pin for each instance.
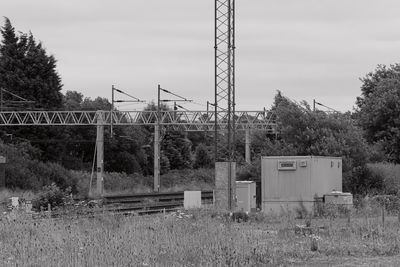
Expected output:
(27, 70)
(177, 148)
(202, 157)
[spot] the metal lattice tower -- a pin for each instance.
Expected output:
(224, 79)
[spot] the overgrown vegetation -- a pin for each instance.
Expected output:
(199, 238)
(51, 197)
(23, 171)
(386, 177)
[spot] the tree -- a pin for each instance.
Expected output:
(123, 152)
(379, 109)
(202, 157)
(27, 70)
(177, 148)
(72, 100)
(304, 132)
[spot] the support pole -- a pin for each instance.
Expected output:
(247, 146)
(100, 153)
(157, 146)
(112, 112)
(156, 158)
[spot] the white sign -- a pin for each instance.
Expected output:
(287, 165)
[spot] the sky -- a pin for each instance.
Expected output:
(308, 49)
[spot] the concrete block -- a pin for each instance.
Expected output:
(192, 199)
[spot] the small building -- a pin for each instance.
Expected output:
(291, 183)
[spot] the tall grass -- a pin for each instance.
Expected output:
(388, 174)
(176, 180)
(206, 238)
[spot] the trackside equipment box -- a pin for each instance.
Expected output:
(291, 183)
(246, 196)
(339, 198)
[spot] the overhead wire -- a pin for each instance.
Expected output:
(122, 92)
(320, 104)
(169, 92)
(199, 104)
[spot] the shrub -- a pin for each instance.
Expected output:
(250, 172)
(24, 172)
(388, 174)
(202, 157)
(362, 180)
(52, 195)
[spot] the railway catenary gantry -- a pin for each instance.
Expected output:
(176, 120)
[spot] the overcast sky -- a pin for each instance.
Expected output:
(305, 48)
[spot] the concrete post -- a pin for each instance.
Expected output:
(247, 146)
(100, 153)
(156, 158)
(225, 194)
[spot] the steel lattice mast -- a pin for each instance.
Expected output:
(224, 140)
(224, 79)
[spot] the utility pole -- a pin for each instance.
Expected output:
(100, 153)
(314, 105)
(112, 111)
(157, 149)
(247, 146)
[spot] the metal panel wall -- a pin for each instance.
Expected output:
(291, 182)
(288, 185)
(326, 175)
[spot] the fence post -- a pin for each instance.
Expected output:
(49, 210)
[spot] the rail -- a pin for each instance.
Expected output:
(149, 202)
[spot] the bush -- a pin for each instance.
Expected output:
(361, 180)
(24, 172)
(52, 195)
(202, 157)
(249, 172)
(388, 174)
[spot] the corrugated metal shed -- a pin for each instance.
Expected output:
(291, 182)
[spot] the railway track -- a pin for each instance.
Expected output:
(137, 204)
(149, 202)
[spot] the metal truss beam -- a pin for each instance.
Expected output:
(179, 120)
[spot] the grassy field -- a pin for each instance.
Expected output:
(198, 238)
